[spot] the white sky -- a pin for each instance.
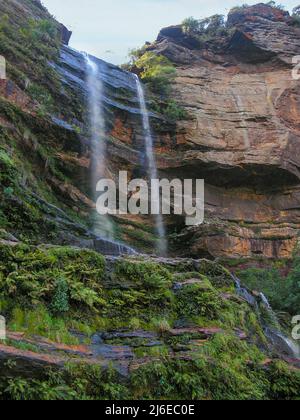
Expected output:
(109, 28)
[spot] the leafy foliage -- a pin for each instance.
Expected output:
(50, 291)
(296, 16)
(49, 276)
(195, 301)
(60, 301)
(200, 378)
(282, 292)
(42, 30)
(156, 71)
(205, 29)
(170, 109)
(276, 5)
(190, 25)
(296, 11)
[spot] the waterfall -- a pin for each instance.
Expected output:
(102, 224)
(244, 293)
(279, 340)
(271, 326)
(95, 95)
(152, 167)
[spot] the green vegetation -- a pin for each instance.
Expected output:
(205, 29)
(39, 321)
(198, 327)
(201, 378)
(158, 73)
(282, 292)
(60, 300)
(197, 301)
(27, 50)
(270, 3)
(53, 291)
(29, 45)
(296, 16)
(63, 286)
(170, 109)
(39, 94)
(276, 5)
(51, 275)
(43, 30)
(21, 212)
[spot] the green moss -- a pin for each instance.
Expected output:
(40, 322)
(43, 97)
(156, 351)
(281, 290)
(33, 273)
(170, 109)
(55, 290)
(199, 379)
(157, 71)
(148, 275)
(193, 301)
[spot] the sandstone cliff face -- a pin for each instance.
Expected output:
(243, 135)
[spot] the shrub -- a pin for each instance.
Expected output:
(282, 292)
(157, 71)
(296, 16)
(40, 322)
(42, 96)
(205, 29)
(195, 301)
(296, 11)
(39, 30)
(276, 5)
(8, 170)
(56, 277)
(135, 54)
(171, 110)
(190, 26)
(161, 325)
(284, 383)
(60, 300)
(148, 275)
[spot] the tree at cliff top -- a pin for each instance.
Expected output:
(296, 11)
(296, 15)
(209, 26)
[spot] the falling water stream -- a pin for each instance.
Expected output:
(289, 346)
(97, 127)
(152, 167)
(102, 225)
(272, 327)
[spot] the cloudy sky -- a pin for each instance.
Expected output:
(109, 28)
